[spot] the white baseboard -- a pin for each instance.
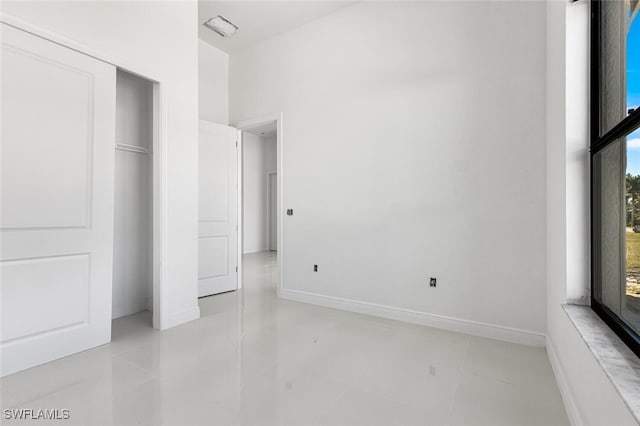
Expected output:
(182, 317)
(563, 385)
(491, 331)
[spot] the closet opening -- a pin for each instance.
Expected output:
(133, 245)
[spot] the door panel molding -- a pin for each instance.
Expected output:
(36, 316)
(67, 204)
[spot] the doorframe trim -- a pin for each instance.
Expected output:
(161, 318)
(247, 124)
(160, 208)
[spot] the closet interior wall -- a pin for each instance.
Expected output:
(133, 219)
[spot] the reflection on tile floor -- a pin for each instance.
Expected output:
(253, 359)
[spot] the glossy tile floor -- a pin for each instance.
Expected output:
(253, 359)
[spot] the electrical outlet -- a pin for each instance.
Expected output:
(432, 282)
(315, 268)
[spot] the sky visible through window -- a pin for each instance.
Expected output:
(633, 94)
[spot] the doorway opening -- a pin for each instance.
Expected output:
(260, 163)
(258, 168)
(133, 240)
(272, 211)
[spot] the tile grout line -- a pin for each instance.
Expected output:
(455, 392)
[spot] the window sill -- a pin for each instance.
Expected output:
(620, 365)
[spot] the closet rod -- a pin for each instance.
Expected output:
(132, 148)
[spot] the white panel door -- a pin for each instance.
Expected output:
(56, 213)
(218, 218)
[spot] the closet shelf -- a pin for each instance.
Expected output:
(132, 148)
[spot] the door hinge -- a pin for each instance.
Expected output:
(236, 144)
(236, 268)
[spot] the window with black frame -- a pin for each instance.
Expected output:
(615, 166)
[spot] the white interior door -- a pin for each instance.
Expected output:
(56, 221)
(218, 230)
(273, 211)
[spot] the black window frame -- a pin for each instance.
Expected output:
(597, 143)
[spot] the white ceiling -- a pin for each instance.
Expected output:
(258, 20)
(267, 129)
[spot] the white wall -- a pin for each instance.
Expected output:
(132, 239)
(589, 396)
(157, 39)
(258, 159)
(271, 161)
(413, 148)
(213, 83)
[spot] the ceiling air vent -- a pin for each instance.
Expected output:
(221, 25)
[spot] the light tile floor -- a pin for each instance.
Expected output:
(253, 359)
